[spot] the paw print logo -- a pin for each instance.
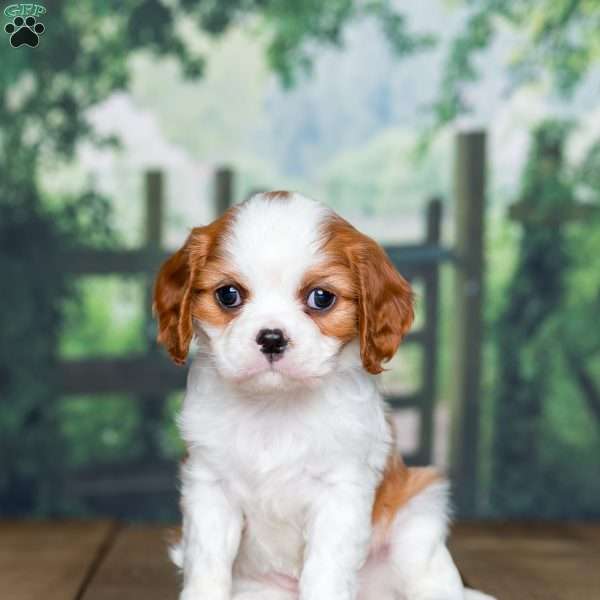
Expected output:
(24, 31)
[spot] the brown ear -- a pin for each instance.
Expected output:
(173, 291)
(176, 282)
(172, 306)
(385, 305)
(385, 300)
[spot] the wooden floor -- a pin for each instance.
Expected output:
(106, 561)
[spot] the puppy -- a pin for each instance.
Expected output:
(292, 487)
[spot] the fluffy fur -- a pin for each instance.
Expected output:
(292, 487)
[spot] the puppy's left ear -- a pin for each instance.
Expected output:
(385, 307)
(385, 301)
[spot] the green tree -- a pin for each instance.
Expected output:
(533, 294)
(559, 39)
(547, 400)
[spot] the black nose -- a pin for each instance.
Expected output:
(271, 341)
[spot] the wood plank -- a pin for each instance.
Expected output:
(89, 261)
(136, 567)
(527, 212)
(429, 357)
(152, 401)
(588, 532)
(400, 401)
(415, 337)
(541, 561)
(409, 258)
(136, 375)
(467, 315)
(139, 477)
(95, 561)
(223, 190)
(145, 261)
(49, 560)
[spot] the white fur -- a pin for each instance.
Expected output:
(284, 458)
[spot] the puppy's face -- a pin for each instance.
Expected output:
(275, 289)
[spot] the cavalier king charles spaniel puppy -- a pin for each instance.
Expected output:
(292, 487)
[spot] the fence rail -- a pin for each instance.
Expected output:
(141, 374)
(421, 261)
(113, 262)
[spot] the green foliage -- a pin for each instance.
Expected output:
(460, 65)
(533, 294)
(99, 436)
(103, 317)
(210, 121)
(541, 410)
(560, 38)
(543, 357)
(32, 242)
(291, 25)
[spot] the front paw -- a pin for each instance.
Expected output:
(205, 591)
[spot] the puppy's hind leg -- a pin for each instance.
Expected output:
(421, 563)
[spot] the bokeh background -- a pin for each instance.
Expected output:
(133, 121)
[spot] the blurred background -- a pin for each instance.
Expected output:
(463, 135)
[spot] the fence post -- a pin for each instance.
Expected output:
(223, 189)
(469, 198)
(431, 282)
(152, 405)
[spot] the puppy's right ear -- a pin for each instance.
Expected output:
(172, 291)
(176, 282)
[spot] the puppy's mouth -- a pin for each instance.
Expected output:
(273, 357)
(273, 370)
(272, 364)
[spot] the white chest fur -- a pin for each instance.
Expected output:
(276, 456)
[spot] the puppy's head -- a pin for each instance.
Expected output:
(276, 288)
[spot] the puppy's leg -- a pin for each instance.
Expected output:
(337, 540)
(211, 535)
(421, 564)
(250, 589)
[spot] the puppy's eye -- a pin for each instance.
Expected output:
(228, 296)
(320, 299)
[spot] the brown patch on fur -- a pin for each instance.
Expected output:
(277, 195)
(216, 273)
(339, 321)
(383, 298)
(399, 484)
(183, 287)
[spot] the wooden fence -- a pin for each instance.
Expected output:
(150, 376)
